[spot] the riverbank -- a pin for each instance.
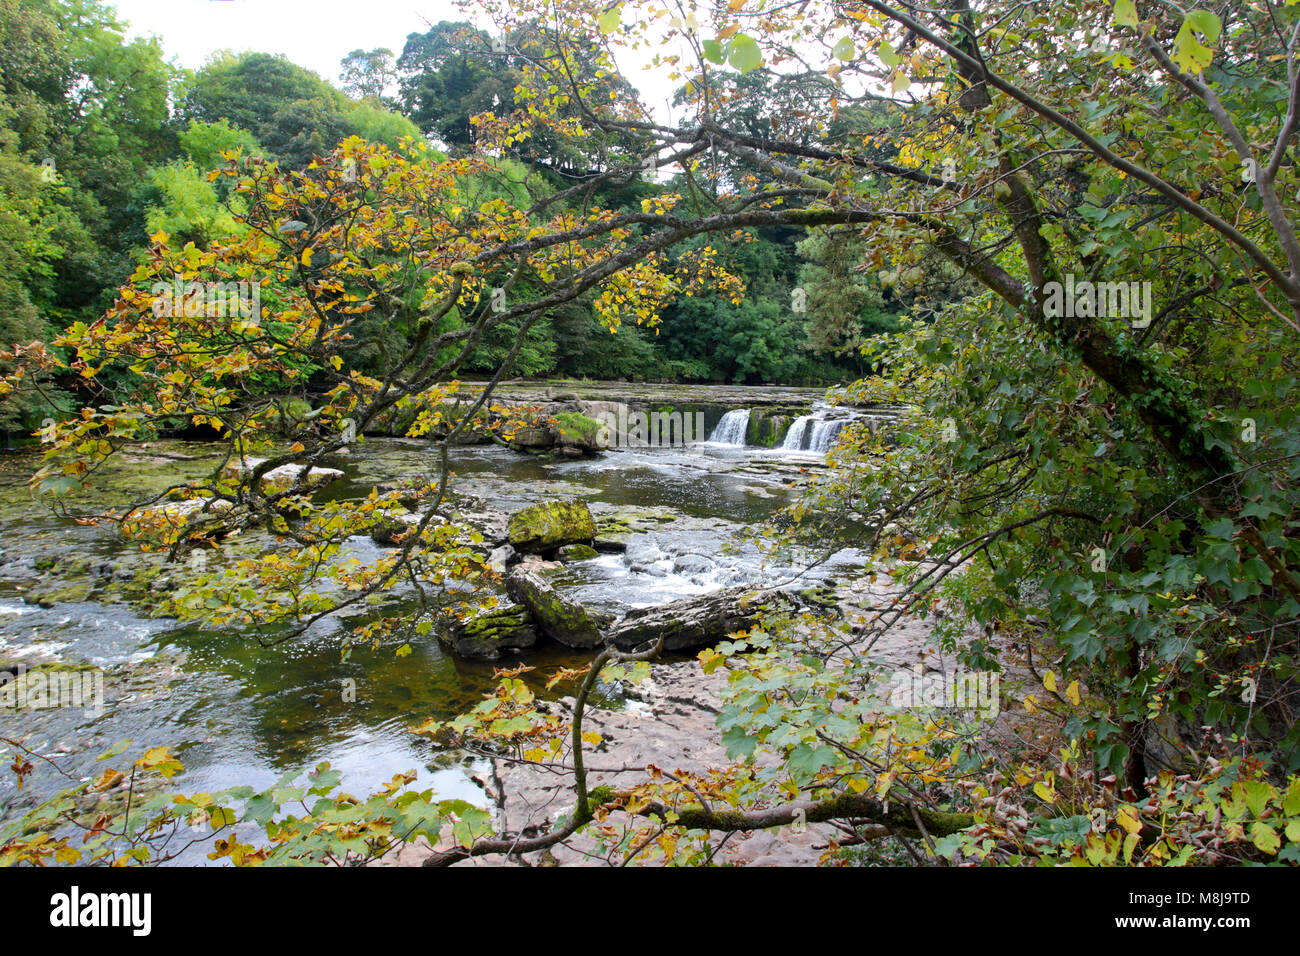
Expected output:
(669, 724)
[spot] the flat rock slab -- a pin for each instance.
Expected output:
(698, 622)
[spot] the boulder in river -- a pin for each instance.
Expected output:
(544, 527)
(487, 634)
(699, 621)
(564, 621)
(285, 477)
(577, 552)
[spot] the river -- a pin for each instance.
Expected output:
(239, 712)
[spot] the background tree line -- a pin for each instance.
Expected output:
(104, 142)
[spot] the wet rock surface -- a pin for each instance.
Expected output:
(545, 527)
(561, 619)
(489, 634)
(669, 724)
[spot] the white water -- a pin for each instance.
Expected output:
(795, 436)
(731, 430)
(824, 435)
(812, 434)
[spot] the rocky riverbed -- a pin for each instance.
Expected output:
(668, 722)
(667, 526)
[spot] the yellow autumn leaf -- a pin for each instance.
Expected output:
(1049, 681)
(1072, 692)
(1130, 842)
(1128, 819)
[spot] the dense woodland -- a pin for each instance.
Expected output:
(1096, 499)
(106, 143)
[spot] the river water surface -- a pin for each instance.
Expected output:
(239, 712)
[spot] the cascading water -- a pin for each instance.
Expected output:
(824, 434)
(794, 438)
(812, 434)
(732, 428)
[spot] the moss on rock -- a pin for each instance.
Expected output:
(489, 633)
(579, 431)
(562, 620)
(544, 527)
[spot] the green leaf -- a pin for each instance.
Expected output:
(1205, 23)
(844, 49)
(887, 54)
(1190, 54)
(1126, 14)
(116, 749)
(745, 54)
(714, 52)
(609, 21)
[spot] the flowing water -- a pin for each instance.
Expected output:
(732, 428)
(244, 710)
(818, 431)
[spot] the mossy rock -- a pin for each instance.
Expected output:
(391, 526)
(534, 438)
(489, 633)
(564, 621)
(577, 552)
(544, 527)
(579, 431)
(766, 429)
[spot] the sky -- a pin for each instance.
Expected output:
(316, 34)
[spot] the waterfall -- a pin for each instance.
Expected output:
(794, 438)
(824, 435)
(810, 433)
(732, 429)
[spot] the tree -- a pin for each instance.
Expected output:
(291, 111)
(443, 83)
(368, 74)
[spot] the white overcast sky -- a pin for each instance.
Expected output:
(316, 34)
